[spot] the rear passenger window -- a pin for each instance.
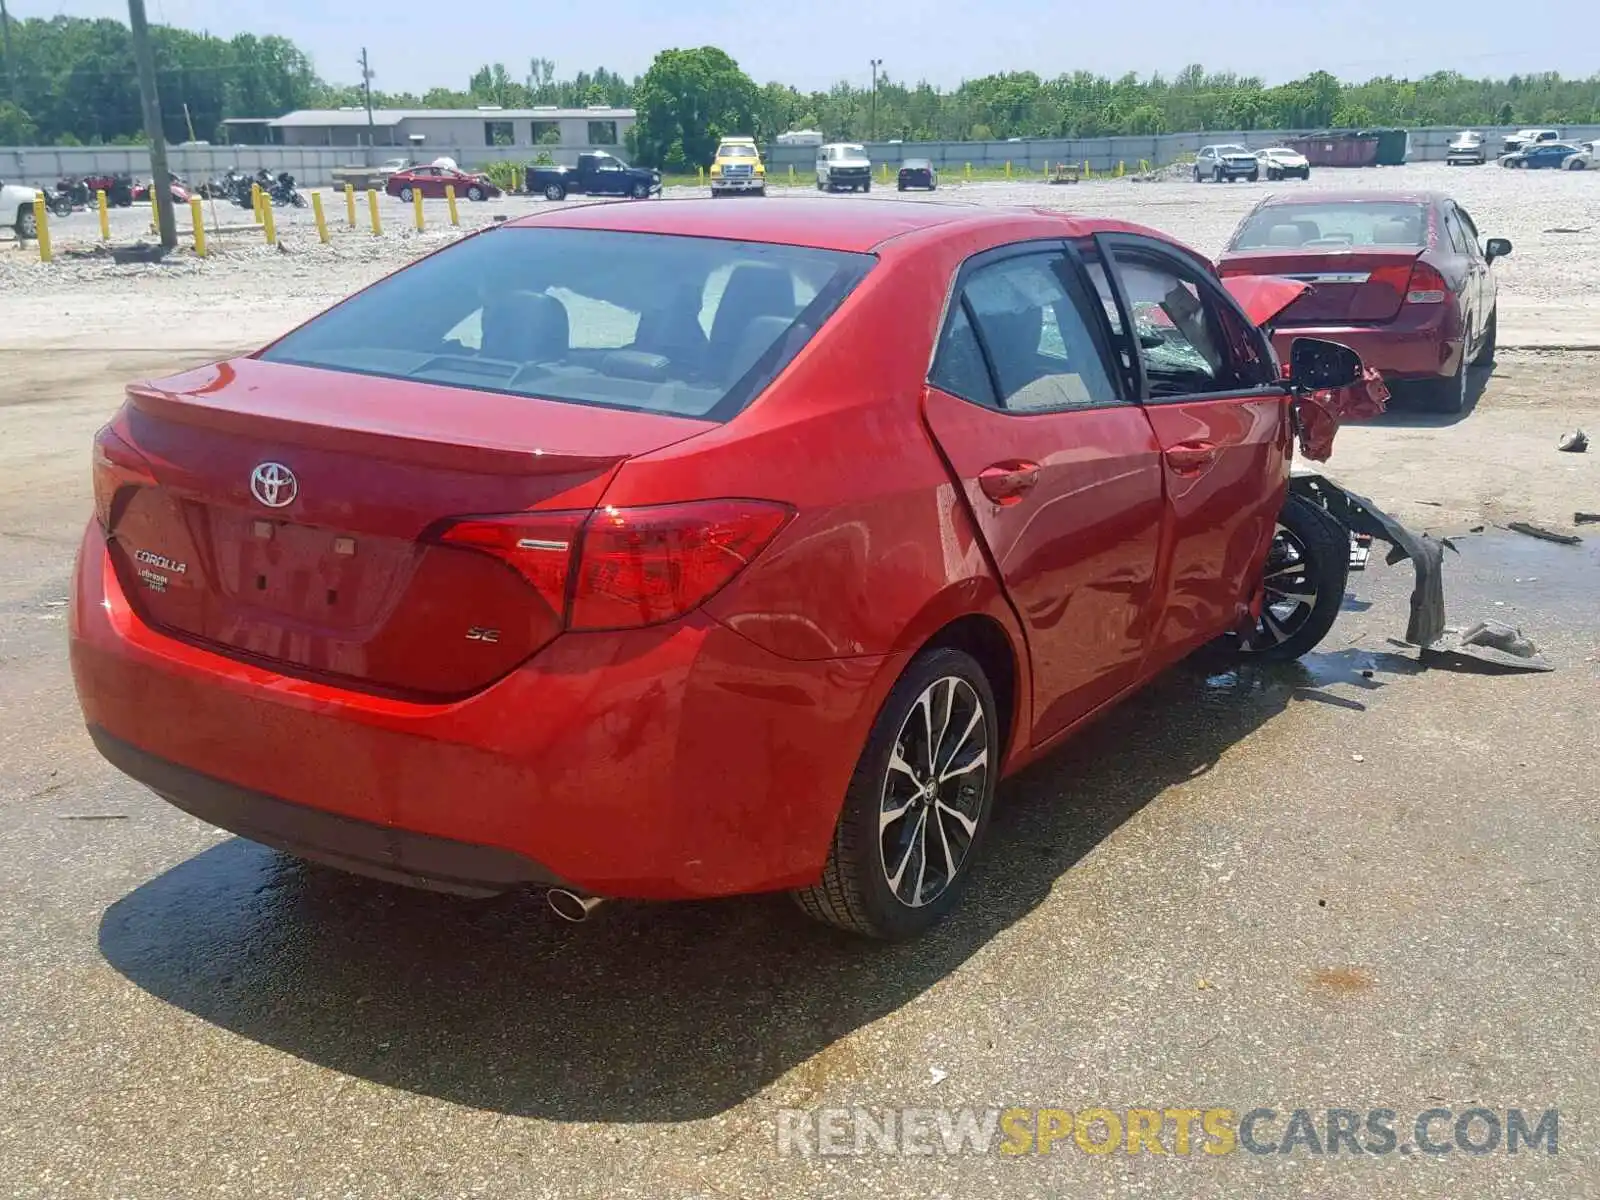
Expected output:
(1018, 339)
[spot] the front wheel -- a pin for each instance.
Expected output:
(27, 228)
(1303, 580)
(867, 187)
(60, 205)
(1254, 176)
(640, 191)
(406, 194)
(916, 809)
(476, 193)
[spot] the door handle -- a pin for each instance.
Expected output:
(1007, 482)
(1191, 456)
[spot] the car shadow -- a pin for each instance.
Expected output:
(1404, 412)
(646, 1012)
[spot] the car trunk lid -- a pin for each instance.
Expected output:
(290, 515)
(1366, 286)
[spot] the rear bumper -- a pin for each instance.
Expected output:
(663, 763)
(1418, 352)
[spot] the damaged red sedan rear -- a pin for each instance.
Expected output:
(674, 551)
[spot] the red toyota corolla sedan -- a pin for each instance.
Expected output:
(667, 551)
(1401, 278)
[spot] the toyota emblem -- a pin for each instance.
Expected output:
(274, 485)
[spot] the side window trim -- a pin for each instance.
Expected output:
(1189, 263)
(1099, 332)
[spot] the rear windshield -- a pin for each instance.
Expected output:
(679, 325)
(1333, 226)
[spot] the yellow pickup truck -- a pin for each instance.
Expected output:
(738, 168)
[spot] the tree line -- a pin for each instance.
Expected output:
(70, 81)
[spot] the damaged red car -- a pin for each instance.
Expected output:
(669, 551)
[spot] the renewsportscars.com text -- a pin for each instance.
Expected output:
(1019, 1131)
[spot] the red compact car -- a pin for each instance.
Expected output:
(665, 551)
(431, 181)
(1401, 278)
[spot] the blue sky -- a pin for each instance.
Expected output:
(417, 44)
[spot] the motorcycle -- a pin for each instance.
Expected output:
(118, 189)
(283, 191)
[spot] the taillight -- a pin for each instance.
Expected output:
(620, 568)
(538, 546)
(117, 466)
(1418, 283)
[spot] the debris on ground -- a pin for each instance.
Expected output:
(1166, 174)
(1585, 518)
(1549, 535)
(1493, 642)
(1567, 229)
(1575, 442)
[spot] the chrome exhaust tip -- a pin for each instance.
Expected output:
(570, 906)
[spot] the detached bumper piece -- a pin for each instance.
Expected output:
(1364, 519)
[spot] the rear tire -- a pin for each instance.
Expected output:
(406, 194)
(905, 843)
(27, 228)
(1448, 394)
(1305, 575)
(1485, 355)
(554, 191)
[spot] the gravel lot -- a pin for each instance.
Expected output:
(1354, 882)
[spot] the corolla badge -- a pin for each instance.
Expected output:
(274, 485)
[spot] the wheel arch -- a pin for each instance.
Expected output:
(989, 643)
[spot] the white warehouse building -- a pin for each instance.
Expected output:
(565, 132)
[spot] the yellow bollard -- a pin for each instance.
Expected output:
(105, 216)
(416, 203)
(155, 220)
(1122, 169)
(255, 201)
(199, 220)
(969, 170)
(700, 176)
(1008, 169)
(316, 211)
(268, 225)
(450, 199)
(791, 174)
(350, 204)
(372, 209)
(41, 226)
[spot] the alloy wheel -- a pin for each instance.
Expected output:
(1291, 591)
(933, 790)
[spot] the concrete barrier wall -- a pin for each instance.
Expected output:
(312, 166)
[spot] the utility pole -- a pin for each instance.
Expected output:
(161, 178)
(366, 91)
(876, 63)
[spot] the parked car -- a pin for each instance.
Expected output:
(1540, 156)
(1280, 162)
(737, 168)
(1402, 278)
(599, 607)
(843, 165)
(16, 208)
(1587, 157)
(432, 179)
(596, 174)
(917, 173)
(1528, 137)
(1466, 150)
(1225, 164)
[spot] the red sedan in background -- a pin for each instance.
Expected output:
(431, 181)
(670, 551)
(1401, 278)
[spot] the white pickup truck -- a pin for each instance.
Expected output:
(16, 208)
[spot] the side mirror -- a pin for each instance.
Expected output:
(1497, 248)
(1316, 365)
